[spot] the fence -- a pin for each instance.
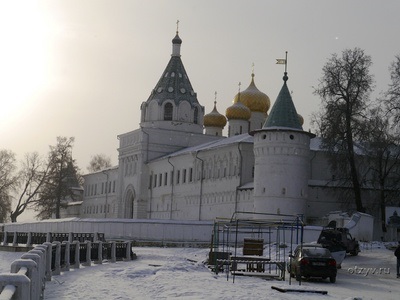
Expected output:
(37, 238)
(141, 231)
(28, 274)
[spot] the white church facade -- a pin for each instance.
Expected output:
(178, 165)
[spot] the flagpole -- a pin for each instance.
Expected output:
(286, 62)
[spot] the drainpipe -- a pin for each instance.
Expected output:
(201, 184)
(172, 185)
(105, 212)
(143, 165)
(147, 145)
(240, 178)
(151, 195)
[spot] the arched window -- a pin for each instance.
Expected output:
(168, 109)
(196, 115)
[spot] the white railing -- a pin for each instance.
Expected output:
(28, 275)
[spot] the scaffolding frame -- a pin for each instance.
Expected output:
(229, 237)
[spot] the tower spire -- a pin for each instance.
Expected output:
(176, 42)
(239, 91)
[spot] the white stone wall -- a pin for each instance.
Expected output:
(100, 196)
(204, 186)
(257, 120)
(236, 127)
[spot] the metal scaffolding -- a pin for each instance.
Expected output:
(254, 244)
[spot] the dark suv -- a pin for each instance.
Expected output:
(339, 237)
(312, 260)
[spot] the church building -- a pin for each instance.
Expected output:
(177, 165)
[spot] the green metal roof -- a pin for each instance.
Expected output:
(283, 113)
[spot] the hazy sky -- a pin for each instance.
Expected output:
(82, 67)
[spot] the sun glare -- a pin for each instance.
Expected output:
(23, 59)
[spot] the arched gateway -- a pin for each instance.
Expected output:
(129, 199)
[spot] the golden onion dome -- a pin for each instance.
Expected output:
(253, 98)
(214, 118)
(238, 111)
(301, 119)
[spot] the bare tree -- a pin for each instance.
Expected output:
(383, 154)
(33, 175)
(99, 162)
(392, 96)
(344, 89)
(8, 181)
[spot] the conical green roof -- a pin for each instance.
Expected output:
(174, 83)
(283, 113)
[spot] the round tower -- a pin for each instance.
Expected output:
(282, 160)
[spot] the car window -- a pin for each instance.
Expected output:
(316, 252)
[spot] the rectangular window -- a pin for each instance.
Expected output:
(114, 186)
(102, 188)
(190, 174)
(150, 178)
(172, 178)
(184, 176)
(155, 180)
(165, 178)
(178, 175)
(160, 180)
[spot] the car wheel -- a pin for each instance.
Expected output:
(332, 279)
(355, 252)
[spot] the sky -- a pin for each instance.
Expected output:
(82, 68)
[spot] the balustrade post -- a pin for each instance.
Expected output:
(113, 251)
(15, 242)
(77, 255)
(70, 237)
(88, 261)
(67, 256)
(29, 239)
(5, 238)
(32, 273)
(99, 253)
(128, 251)
(48, 237)
(57, 265)
(41, 266)
(38, 260)
(49, 254)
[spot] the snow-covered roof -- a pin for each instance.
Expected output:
(242, 138)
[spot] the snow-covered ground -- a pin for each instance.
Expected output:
(166, 273)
